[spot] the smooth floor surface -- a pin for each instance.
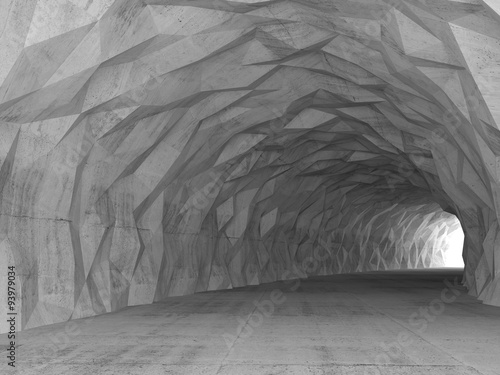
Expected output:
(413, 322)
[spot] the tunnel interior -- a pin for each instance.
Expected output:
(160, 148)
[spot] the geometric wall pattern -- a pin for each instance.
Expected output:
(152, 148)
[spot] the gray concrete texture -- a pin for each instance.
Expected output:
(384, 323)
(157, 148)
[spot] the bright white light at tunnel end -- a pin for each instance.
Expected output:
(453, 255)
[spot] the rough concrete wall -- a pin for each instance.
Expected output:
(153, 148)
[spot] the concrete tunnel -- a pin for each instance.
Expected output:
(160, 148)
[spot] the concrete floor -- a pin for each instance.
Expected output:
(368, 324)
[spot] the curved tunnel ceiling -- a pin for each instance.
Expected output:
(155, 148)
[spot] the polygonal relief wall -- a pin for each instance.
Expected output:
(156, 148)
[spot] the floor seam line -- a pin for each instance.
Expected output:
(239, 334)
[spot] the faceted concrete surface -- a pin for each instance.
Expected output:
(157, 148)
(323, 325)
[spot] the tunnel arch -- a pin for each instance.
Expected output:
(155, 148)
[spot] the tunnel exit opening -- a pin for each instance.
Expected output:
(453, 245)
